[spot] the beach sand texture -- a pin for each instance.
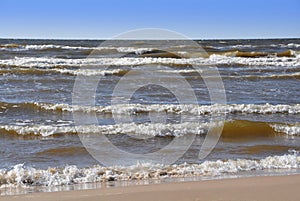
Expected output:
(273, 188)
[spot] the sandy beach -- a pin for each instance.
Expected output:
(254, 188)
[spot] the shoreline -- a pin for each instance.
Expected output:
(247, 188)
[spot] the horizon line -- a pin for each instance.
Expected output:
(56, 38)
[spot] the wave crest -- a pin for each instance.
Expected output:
(233, 129)
(23, 176)
(214, 59)
(177, 109)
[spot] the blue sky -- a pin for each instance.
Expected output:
(105, 19)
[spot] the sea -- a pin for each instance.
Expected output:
(68, 109)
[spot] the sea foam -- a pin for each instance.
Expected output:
(219, 60)
(23, 176)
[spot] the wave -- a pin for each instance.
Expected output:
(63, 151)
(288, 53)
(270, 76)
(48, 62)
(10, 45)
(71, 72)
(256, 61)
(289, 45)
(256, 46)
(183, 53)
(52, 47)
(252, 130)
(133, 109)
(293, 45)
(235, 47)
(91, 72)
(266, 75)
(261, 149)
(157, 129)
(232, 130)
(121, 72)
(23, 47)
(288, 129)
(137, 51)
(141, 50)
(213, 60)
(22, 176)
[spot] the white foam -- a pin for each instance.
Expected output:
(178, 109)
(106, 72)
(149, 129)
(11, 47)
(278, 75)
(23, 176)
(87, 72)
(145, 129)
(291, 45)
(48, 62)
(287, 129)
(228, 47)
(43, 47)
(259, 61)
(137, 51)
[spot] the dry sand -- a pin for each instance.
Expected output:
(273, 188)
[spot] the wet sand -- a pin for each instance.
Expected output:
(266, 188)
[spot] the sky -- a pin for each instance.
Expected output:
(197, 19)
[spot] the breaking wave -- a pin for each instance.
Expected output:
(218, 60)
(157, 129)
(121, 72)
(234, 50)
(168, 108)
(23, 176)
(51, 47)
(233, 129)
